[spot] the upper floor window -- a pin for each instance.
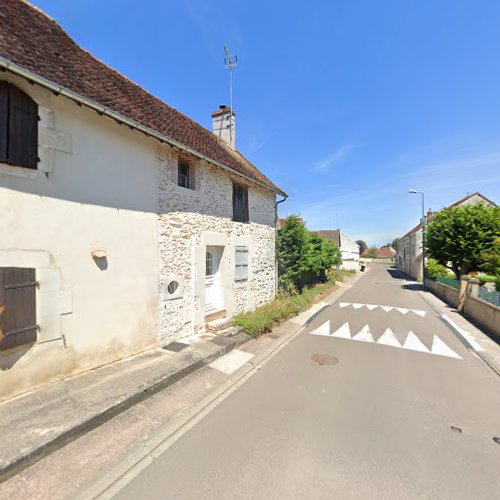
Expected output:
(240, 203)
(185, 174)
(18, 127)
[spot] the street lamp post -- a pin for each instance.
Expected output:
(412, 191)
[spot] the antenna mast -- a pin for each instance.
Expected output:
(230, 63)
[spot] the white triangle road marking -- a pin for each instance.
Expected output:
(344, 304)
(413, 343)
(344, 332)
(420, 313)
(364, 335)
(441, 349)
(371, 307)
(323, 330)
(357, 306)
(402, 310)
(387, 308)
(388, 338)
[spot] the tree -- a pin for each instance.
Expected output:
(323, 255)
(362, 246)
(394, 243)
(371, 253)
(292, 251)
(464, 238)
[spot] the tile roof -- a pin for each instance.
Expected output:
(331, 235)
(35, 42)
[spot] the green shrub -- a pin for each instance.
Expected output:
(435, 269)
(489, 279)
(285, 305)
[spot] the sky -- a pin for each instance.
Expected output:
(346, 105)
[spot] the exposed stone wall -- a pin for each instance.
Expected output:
(189, 219)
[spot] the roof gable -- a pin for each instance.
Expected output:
(32, 40)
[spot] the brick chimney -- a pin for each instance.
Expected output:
(430, 213)
(223, 126)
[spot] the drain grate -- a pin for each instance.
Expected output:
(324, 359)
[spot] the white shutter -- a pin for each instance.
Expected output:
(241, 264)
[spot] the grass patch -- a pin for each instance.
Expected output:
(264, 318)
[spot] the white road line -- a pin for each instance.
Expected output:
(464, 334)
(413, 343)
(323, 330)
(388, 338)
(343, 332)
(441, 349)
(364, 335)
(231, 361)
(372, 307)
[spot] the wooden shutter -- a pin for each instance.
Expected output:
(241, 264)
(23, 129)
(240, 203)
(17, 307)
(192, 176)
(4, 119)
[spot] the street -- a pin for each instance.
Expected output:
(394, 406)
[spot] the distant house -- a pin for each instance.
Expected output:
(280, 221)
(349, 249)
(409, 251)
(124, 224)
(386, 252)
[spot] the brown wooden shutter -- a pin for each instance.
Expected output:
(4, 119)
(23, 129)
(17, 307)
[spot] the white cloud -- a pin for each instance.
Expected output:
(335, 157)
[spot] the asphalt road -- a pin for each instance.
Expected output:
(376, 424)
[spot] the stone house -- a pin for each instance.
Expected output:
(125, 225)
(409, 251)
(349, 249)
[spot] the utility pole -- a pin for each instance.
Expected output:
(230, 62)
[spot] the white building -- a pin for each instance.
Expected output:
(409, 250)
(124, 224)
(349, 249)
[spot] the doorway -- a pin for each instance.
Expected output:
(213, 283)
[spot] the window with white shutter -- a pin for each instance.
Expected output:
(241, 264)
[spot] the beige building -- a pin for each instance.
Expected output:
(125, 225)
(409, 251)
(349, 249)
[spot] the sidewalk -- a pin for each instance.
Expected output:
(37, 423)
(474, 339)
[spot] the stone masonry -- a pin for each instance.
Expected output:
(187, 219)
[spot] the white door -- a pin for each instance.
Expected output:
(213, 293)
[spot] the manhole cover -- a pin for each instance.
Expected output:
(497, 439)
(456, 429)
(324, 359)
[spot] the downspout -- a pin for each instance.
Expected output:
(285, 196)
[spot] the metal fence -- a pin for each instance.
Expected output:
(449, 281)
(489, 295)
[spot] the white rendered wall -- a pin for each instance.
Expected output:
(96, 188)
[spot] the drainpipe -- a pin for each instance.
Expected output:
(285, 196)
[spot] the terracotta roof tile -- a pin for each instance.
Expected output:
(32, 40)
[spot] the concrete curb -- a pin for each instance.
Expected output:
(30, 455)
(139, 458)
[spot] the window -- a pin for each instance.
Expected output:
(17, 307)
(240, 203)
(18, 127)
(241, 264)
(185, 174)
(209, 261)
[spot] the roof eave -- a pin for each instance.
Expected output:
(104, 110)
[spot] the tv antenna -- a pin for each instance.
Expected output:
(230, 62)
